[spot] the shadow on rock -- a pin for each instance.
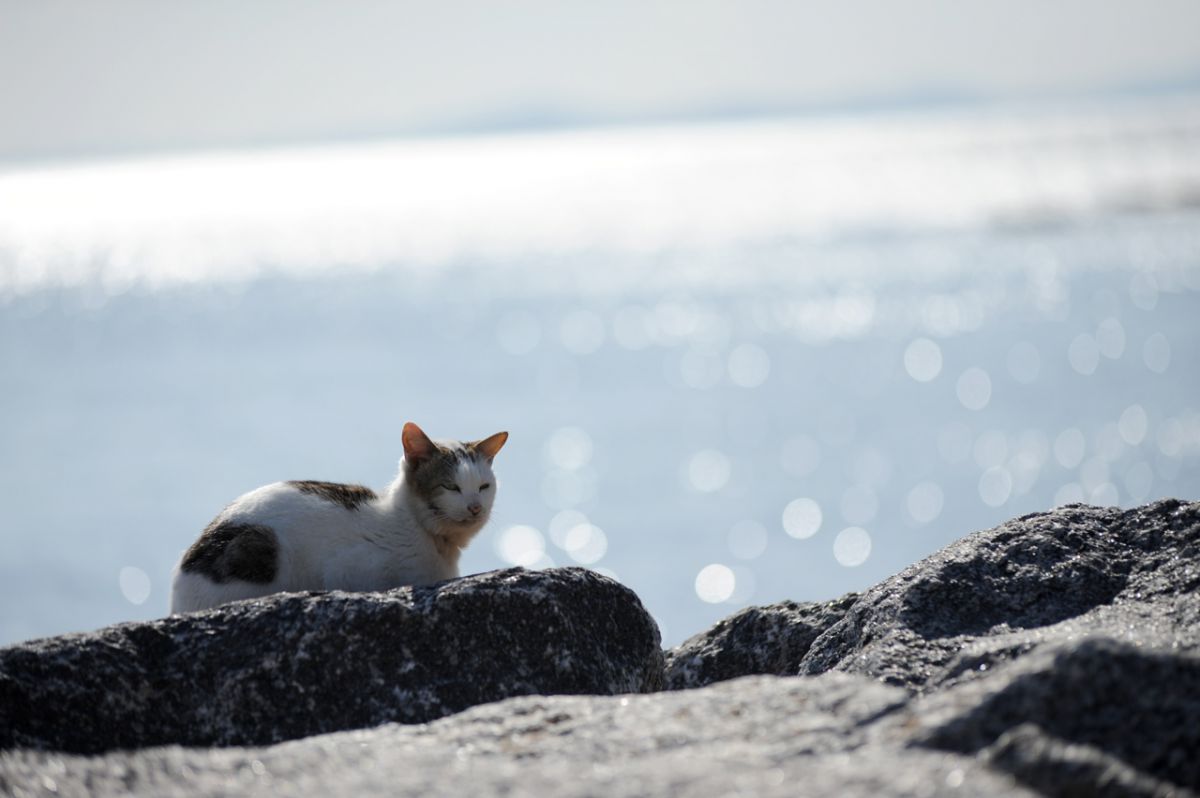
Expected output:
(1138, 706)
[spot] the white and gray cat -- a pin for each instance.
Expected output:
(291, 536)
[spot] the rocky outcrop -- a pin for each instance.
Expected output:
(291, 666)
(1062, 647)
(762, 736)
(1057, 654)
(1120, 713)
(984, 600)
(1045, 579)
(757, 640)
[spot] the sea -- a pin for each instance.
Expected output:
(740, 361)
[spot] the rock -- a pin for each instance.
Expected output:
(1057, 654)
(1062, 647)
(983, 600)
(756, 640)
(294, 665)
(1115, 712)
(763, 736)
(996, 595)
(1060, 768)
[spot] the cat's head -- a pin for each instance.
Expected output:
(452, 480)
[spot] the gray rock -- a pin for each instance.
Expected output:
(1118, 714)
(1062, 647)
(996, 595)
(1057, 767)
(981, 601)
(1057, 654)
(757, 640)
(295, 665)
(762, 736)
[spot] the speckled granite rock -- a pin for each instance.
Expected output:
(757, 640)
(985, 599)
(762, 736)
(1062, 647)
(290, 666)
(1057, 654)
(1078, 716)
(1046, 578)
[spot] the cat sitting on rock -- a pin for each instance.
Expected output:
(305, 535)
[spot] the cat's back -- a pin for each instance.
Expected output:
(296, 503)
(301, 515)
(276, 537)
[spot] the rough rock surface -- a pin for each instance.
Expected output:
(1063, 647)
(757, 640)
(1057, 654)
(762, 736)
(1126, 712)
(295, 665)
(1043, 579)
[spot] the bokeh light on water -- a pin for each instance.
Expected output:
(715, 583)
(852, 546)
(751, 385)
(521, 545)
(135, 584)
(802, 518)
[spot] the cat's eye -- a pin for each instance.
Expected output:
(454, 488)
(485, 486)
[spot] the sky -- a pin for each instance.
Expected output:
(87, 79)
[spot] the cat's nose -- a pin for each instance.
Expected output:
(475, 507)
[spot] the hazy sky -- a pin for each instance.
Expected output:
(80, 78)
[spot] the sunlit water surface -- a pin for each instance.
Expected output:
(740, 363)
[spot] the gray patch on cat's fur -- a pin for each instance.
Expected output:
(227, 550)
(428, 475)
(349, 496)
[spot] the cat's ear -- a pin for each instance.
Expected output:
(490, 445)
(417, 446)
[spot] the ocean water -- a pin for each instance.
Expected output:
(739, 362)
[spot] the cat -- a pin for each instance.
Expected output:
(306, 535)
